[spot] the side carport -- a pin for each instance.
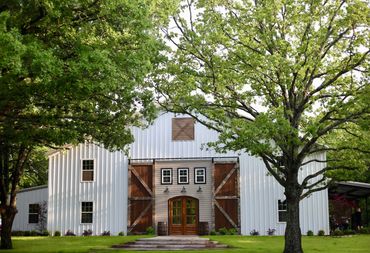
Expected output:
(344, 198)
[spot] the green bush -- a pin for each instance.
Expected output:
(87, 232)
(321, 233)
(309, 233)
(121, 234)
(364, 230)
(213, 232)
(150, 231)
(45, 233)
(223, 231)
(337, 232)
(57, 233)
(349, 232)
(17, 233)
(233, 231)
(34, 233)
(27, 233)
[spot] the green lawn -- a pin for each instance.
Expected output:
(245, 244)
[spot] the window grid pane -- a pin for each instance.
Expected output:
(166, 175)
(183, 176)
(86, 212)
(200, 175)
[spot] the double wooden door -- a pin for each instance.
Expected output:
(183, 215)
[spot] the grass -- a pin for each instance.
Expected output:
(245, 244)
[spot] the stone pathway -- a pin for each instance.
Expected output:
(171, 243)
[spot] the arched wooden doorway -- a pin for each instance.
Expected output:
(183, 215)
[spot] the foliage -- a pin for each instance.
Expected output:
(213, 232)
(71, 71)
(57, 233)
(36, 169)
(121, 233)
(337, 232)
(87, 232)
(150, 231)
(271, 231)
(105, 233)
(69, 233)
(223, 231)
(309, 233)
(43, 216)
(233, 231)
(254, 232)
(276, 79)
(321, 233)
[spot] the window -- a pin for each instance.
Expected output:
(33, 213)
(200, 175)
(86, 212)
(282, 210)
(87, 170)
(166, 176)
(183, 176)
(182, 129)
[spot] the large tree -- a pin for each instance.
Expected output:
(275, 79)
(70, 70)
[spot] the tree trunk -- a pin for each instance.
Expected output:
(293, 242)
(7, 218)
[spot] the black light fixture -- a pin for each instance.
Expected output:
(183, 190)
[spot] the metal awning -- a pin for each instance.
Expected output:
(350, 190)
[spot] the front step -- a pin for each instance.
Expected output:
(171, 243)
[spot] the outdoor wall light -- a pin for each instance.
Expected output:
(200, 189)
(166, 190)
(183, 189)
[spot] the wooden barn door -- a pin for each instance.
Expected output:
(226, 196)
(141, 198)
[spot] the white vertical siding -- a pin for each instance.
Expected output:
(259, 192)
(35, 195)
(108, 191)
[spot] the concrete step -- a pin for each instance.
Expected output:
(171, 243)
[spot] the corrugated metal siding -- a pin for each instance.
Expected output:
(259, 192)
(108, 191)
(24, 198)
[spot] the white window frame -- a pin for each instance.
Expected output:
(196, 175)
(92, 212)
(179, 176)
(93, 170)
(162, 176)
(281, 210)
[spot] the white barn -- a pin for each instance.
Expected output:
(169, 178)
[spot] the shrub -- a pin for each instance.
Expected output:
(106, 233)
(254, 232)
(337, 232)
(87, 232)
(213, 232)
(309, 233)
(121, 234)
(150, 231)
(223, 231)
(349, 232)
(27, 233)
(57, 233)
(45, 233)
(34, 233)
(271, 231)
(17, 233)
(70, 233)
(233, 231)
(364, 230)
(321, 233)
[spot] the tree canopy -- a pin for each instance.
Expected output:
(71, 70)
(276, 79)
